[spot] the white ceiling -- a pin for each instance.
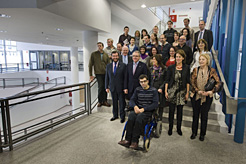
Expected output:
(35, 25)
(136, 4)
(38, 26)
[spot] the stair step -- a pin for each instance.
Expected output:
(213, 125)
(188, 111)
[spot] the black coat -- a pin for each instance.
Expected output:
(115, 82)
(208, 36)
(185, 76)
(131, 81)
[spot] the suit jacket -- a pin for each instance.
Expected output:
(208, 36)
(115, 82)
(131, 81)
(129, 58)
(185, 75)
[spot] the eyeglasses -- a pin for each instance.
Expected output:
(144, 81)
(181, 39)
(135, 56)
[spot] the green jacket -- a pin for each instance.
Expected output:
(99, 65)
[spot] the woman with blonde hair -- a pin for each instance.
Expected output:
(202, 96)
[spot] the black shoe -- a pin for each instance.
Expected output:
(113, 118)
(179, 132)
(201, 138)
(122, 120)
(170, 132)
(193, 136)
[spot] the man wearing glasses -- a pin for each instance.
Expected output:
(133, 71)
(144, 101)
(188, 52)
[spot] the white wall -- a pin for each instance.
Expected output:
(191, 10)
(92, 13)
(118, 25)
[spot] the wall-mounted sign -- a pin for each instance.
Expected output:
(173, 18)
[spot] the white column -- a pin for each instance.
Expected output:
(75, 76)
(90, 39)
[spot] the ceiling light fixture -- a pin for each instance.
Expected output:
(4, 16)
(3, 31)
(192, 0)
(143, 6)
(59, 29)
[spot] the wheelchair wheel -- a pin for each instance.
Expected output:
(158, 129)
(147, 144)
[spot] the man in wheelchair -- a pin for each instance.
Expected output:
(144, 101)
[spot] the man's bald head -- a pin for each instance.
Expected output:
(125, 50)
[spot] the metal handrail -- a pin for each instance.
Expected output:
(231, 102)
(22, 80)
(37, 128)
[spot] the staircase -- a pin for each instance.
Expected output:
(215, 116)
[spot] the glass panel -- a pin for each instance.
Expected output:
(41, 59)
(13, 57)
(34, 65)
(33, 56)
(64, 59)
(1, 42)
(7, 42)
(2, 58)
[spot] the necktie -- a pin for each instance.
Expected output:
(200, 36)
(134, 68)
(115, 64)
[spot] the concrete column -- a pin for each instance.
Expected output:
(90, 39)
(241, 109)
(75, 76)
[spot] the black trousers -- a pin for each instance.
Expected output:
(135, 125)
(121, 98)
(179, 115)
(203, 109)
(102, 94)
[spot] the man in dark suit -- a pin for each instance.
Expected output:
(134, 70)
(203, 34)
(114, 81)
(125, 58)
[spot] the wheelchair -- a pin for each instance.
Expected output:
(153, 128)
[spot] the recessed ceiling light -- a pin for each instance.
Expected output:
(59, 29)
(143, 6)
(3, 31)
(4, 16)
(47, 38)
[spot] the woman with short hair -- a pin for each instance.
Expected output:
(177, 86)
(201, 99)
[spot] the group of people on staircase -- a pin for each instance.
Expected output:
(173, 71)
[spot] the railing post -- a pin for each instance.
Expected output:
(4, 84)
(43, 86)
(1, 68)
(4, 122)
(38, 80)
(64, 79)
(86, 98)
(1, 148)
(89, 97)
(18, 68)
(9, 125)
(56, 81)
(23, 82)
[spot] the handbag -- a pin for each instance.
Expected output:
(210, 84)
